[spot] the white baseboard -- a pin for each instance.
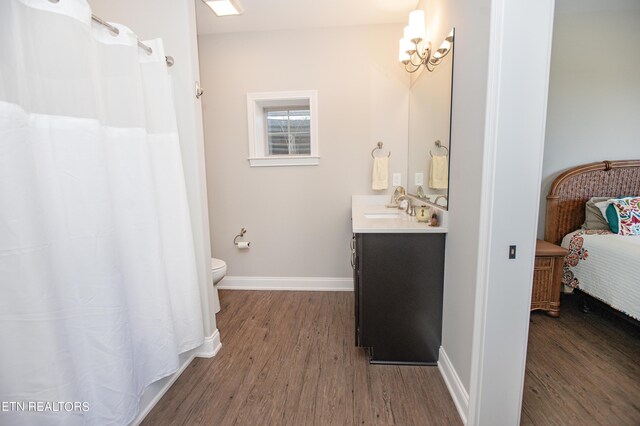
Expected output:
(210, 347)
(458, 393)
(286, 283)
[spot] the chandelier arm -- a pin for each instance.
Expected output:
(427, 54)
(426, 51)
(406, 68)
(418, 52)
(414, 64)
(436, 61)
(424, 59)
(444, 55)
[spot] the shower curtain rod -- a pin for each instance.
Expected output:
(141, 45)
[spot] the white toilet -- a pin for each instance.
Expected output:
(218, 271)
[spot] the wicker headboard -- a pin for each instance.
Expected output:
(570, 191)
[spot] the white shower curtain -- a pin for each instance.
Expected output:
(98, 283)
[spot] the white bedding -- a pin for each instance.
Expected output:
(605, 266)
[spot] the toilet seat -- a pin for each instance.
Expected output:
(217, 264)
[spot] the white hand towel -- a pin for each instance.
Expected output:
(380, 178)
(439, 172)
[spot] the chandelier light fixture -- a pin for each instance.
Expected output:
(415, 49)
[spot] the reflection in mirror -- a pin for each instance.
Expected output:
(430, 133)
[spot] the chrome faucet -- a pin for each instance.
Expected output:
(409, 209)
(441, 196)
(394, 197)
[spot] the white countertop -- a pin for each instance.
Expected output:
(362, 205)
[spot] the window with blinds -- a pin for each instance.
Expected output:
(288, 130)
(283, 128)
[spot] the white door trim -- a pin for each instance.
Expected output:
(508, 19)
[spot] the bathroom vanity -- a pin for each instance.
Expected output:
(398, 270)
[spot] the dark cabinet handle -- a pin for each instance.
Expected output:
(353, 252)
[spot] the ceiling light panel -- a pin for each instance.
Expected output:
(225, 7)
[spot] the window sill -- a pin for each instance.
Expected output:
(305, 160)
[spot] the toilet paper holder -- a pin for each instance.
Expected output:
(240, 235)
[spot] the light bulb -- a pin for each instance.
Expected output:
(404, 46)
(416, 26)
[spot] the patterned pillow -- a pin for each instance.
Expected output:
(627, 211)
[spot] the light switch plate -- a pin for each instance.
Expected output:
(397, 179)
(419, 179)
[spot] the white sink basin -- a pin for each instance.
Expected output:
(371, 214)
(389, 215)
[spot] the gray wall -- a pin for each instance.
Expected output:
(594, 93)
(298, 218)
(471, 20)
(496, 157)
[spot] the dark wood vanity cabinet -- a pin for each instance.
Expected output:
(398, 282)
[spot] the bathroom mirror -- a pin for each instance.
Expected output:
(430, 132)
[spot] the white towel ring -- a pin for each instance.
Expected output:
(378, 146)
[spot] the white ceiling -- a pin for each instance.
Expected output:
(266, 15)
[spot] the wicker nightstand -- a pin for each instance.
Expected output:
(547, 278)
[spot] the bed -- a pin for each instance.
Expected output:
(600, 264)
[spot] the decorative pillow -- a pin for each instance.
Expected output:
(594, 216)
(602, 206)
(623, 215)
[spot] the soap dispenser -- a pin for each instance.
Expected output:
(434, 220)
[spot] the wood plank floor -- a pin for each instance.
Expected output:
(288, 358)
(582, 369)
